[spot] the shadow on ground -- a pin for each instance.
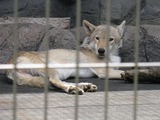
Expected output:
(114, 85)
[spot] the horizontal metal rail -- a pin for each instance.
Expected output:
(80, 65)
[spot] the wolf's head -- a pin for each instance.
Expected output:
(98, 40)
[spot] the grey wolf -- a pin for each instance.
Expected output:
(93, 50)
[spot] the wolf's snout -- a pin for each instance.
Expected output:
(101, 51)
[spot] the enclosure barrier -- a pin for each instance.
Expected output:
(77, 65)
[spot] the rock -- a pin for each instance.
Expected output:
(64, 8)
(30, 35)
(152, 42)
(119, 10)
(95, 11)
(91, 10)
(54, 22)
(6, 7)
(127, 51)
(26, 8)
(59, 38)
(149, 44)
(82, 34)
(150, 12)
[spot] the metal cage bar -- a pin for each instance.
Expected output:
(137, 39)
(15, 7)
(108, 18)
(78, 19)
(47, 14)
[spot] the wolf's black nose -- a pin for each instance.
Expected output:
(101, 51)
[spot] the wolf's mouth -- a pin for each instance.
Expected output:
(101, 55)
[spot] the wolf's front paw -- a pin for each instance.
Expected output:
(75, 90)
(90, 88)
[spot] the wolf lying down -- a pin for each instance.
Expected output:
(93, 50)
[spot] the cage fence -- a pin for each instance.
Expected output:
(73, 103)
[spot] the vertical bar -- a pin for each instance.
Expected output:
(15, 36)
(137, 38)
(47, 14)
(78, 19)
(108, 18)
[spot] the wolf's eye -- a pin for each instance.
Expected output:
(111, 39)
(97, 37)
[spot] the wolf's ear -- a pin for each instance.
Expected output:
(121, 28)
(88, 27)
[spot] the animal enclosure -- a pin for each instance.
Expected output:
(75, 103)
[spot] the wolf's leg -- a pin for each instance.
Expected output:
(85, 86)
(112, 74)
(88, 87)
(67, 87)
(115, 74)
(27, 79)
(53, 77)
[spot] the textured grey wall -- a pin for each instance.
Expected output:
(92, 10)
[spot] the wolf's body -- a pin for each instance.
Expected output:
(93, 50)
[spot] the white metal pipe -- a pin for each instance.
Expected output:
(80, 65)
